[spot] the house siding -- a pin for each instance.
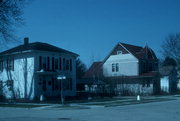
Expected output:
(128, 65)
(22, 77)
(165, 84)
(70, 75)
(26, 80)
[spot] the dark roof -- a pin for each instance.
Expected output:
(132, 48)
(137, 51)
(140, 52)
(150, 74)
(36, 46)
(94, 71)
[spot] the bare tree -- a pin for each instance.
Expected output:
(24, 82)
(171, 47)
(10, 18)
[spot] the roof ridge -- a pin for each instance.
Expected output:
(130, 44)
(42, 46)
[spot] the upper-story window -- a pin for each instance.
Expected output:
(48, 63)
(119, 52)
(56, 64)
(40, 62)
(52, 63)
(10, 64)
(70, 64)
(115, 67)
(64, 64)
(1, 65)
(67, 65)
(44, 63)
(60, 64)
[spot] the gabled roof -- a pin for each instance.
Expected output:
(132, 48)
(95, 71)
(137, 51)
(140, 52)
(37, 46)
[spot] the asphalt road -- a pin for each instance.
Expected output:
(156, 111)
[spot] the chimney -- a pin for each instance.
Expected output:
(26, 41)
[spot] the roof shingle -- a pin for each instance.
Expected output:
(36, 46)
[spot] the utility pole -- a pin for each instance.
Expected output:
(61, 78)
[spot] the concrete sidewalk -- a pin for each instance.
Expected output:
(116, 101)
(159, 111)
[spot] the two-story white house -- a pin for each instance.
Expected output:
(30, 70)
(129, 60)
(130, 69)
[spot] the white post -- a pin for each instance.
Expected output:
(138, 98)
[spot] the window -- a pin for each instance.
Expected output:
(64, 66)
(40, 62)
(56, 84)
(52, 84)
(70, 83)
(60, 66)
(48, 63)
(115, 67)
(44, 85)
(52, 63)
(44, 63)
(67, 65)
(119, 52)
(49, 83)
(10, 64)
(56, 64)
(1, 65)
(70, 64)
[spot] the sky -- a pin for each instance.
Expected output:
(91, 28)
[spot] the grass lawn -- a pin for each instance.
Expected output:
(21, 105)
(67, 107)
(127, 102)
(105, 99)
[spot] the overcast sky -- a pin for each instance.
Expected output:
(91, 28)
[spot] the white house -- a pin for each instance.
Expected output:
(130, 68)
(30, 70)
(169, 79)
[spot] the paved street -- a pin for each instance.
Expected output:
(156, 111)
